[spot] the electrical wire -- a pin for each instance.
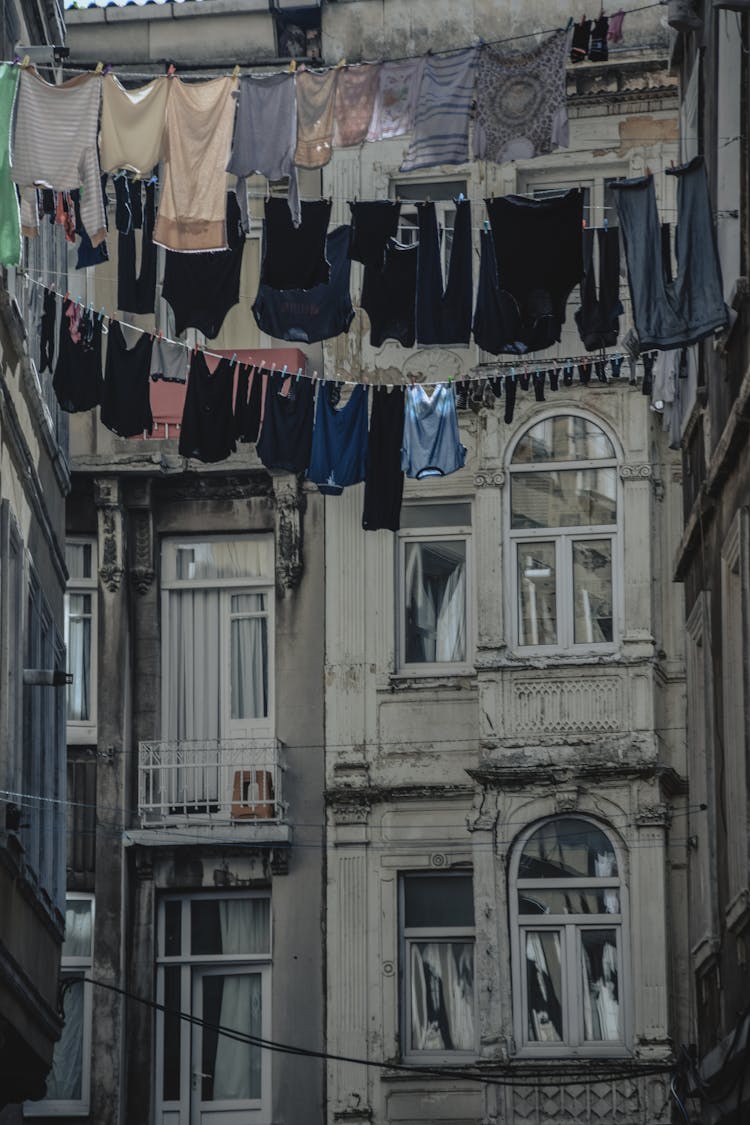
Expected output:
(531, 1075)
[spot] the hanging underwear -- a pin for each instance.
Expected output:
(286, 437)
(339, 445)
(495, 313)
(384, 478)
(539, 281)
(126, 409)
(169, 361)
(294, 257)
(444, 315)
(432, 445)
(389, 296)
(598, 317)
(78, 371)
(137, 294)
(201, 288)
(207, 430)
(310, 315)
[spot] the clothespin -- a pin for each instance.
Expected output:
(25, 62)
(583, 223)
(101, 314)
(99, 68)
(160, 334)
(486, 224)
(67, 295)
(299, 374)
(236, 72)
(569, 23)
(107, 68)
(233, 359)
(283, 372)
(671, 163)
(340, 63)
(606, 223)
(292, 65)
(171, 70)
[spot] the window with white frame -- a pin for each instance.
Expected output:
(437, 965)
(68, 1083)
(567, 902)
(217, 637)
(213, 963)
(564, 541)
(80, 638)
(434, 565)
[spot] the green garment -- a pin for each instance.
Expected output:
(10, 219)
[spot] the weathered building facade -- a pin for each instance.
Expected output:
(34, 480)
(710, 54)
(505, 776)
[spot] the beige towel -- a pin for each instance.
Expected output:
(355, 101)
(316, 95)
(197, 143)
(132, 125)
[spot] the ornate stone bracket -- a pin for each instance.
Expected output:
(641, 472)
(111, 532)
(490, 478)
(289, 505)
(654, 816)
(142, 571)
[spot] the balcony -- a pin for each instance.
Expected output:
(218, 789)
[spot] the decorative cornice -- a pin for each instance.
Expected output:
(290, 503)
(654, 816)
(490, 478)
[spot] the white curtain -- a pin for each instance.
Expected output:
(192, 673)
(442, 990)
(435, 606)
(237, 1066)
(79, 658)
(601, 1005)
(249, 692)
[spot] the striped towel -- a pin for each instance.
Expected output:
(441, 132)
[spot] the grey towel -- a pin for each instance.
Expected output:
(441, 132)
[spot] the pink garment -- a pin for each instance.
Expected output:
(614, 34)
(197, 143)
(396, 99)
(316, 95)
(355, 101)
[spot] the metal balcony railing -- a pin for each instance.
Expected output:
(237, 781)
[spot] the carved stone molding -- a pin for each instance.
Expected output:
(289, 505)
(490, 478)
(654, 816)
(350, 812)
(566, 800)
(636, 472)
(108, 500)
(142, 561)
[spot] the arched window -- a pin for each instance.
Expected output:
(564, 516)
(567, 916)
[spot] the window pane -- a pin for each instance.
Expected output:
(172, 928)
(232, 558)
(564, 438)
(438, 900)
(248, 603)
(601, 995)
(436, 515)
(78, 559)
(229, 926)
(442, 996)
(592, 591)
(79, 657)
(172, 1028)
(231, 1069)
(567, 498)
(594, 900)
(249, 667)
(77, 928)
(537, 594)
(568, 847)
(429, 189)
(435, 585)
(65, 1080)
(544, 986)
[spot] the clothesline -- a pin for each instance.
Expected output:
(400, 58)
(519, 364)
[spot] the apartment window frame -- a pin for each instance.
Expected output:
(436, 532)
(74, 969)
(571, 927)
(12, 633)
(437, 934)
(442, 191)
(563, 539)
(193, 967)
(84, 731)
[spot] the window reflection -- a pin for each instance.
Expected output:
(565, 437)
